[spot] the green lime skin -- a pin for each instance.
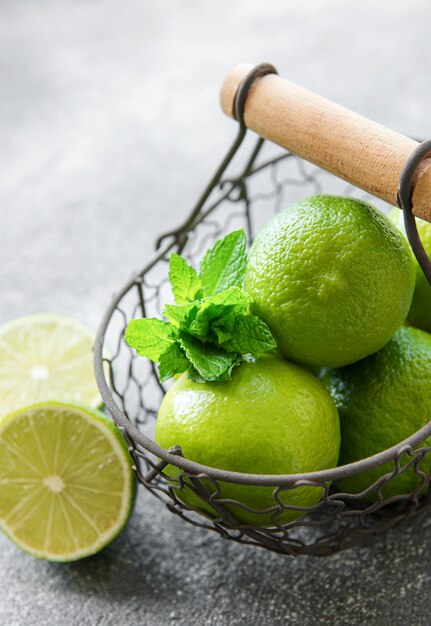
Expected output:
(273, 417)
(420, 310)
(381, 401)
(333, 278)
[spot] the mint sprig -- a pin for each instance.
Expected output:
(211, 329)
(186, 284)
(223, 266)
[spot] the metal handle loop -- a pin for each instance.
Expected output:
(261, 70)
(405, 192)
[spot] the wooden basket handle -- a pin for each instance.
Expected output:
(352, 147)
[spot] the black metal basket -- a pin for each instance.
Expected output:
(244, 192)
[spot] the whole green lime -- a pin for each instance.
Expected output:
(333, 278)
(273, 417)
(420, 310)
(382, 400)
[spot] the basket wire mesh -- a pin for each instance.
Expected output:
(254, 181)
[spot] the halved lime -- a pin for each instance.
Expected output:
(66, 482)
(46, 356)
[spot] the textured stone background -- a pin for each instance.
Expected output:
(109, 127)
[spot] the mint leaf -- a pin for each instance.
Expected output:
(150, 337)
(181, 314)
(226, 303)
(224, 327)
(186, 284)
(248, 335)
(201, 326)
(223, 266)
(233, 295)
(173, 361)
(197, 317)
(211, 362)
(225, 377)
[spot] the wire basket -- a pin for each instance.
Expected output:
(255, 180)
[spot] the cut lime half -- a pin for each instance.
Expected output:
(46, 356)
(66, 483)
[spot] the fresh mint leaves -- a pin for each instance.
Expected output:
(209, 362)
(186, 284)
(211, 329)
(173, 361)
(150, 337)
(245, 334)
(223, 266)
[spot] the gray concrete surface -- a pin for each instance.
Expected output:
(109, 127)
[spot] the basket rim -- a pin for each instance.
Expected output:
(275, 480)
